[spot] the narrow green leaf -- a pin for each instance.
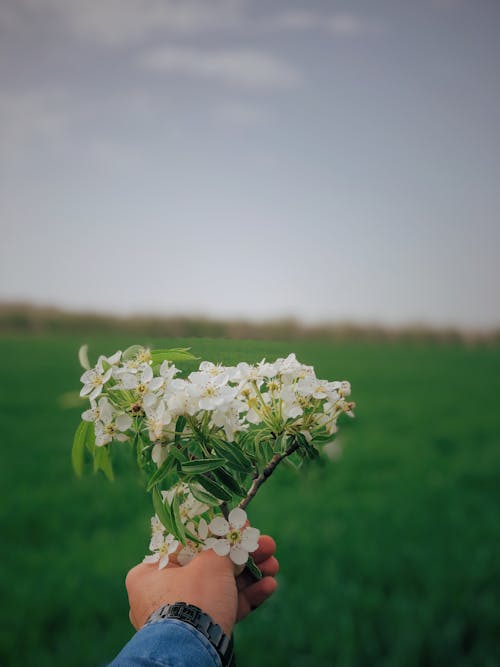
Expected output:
(162, 510)
(174, 354)
(199, 466)
(180, 424)
(233, 454)
(280, 443)
(229, 482)
(78, 449)
(213, 487)
(203, 496)
(192, 537)
(310, 451)
(102, 461)
(163, 471)
(180, 532)
(253, 569)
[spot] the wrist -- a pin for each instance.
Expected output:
(201, 621)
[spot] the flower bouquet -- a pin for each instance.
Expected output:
(206, 442)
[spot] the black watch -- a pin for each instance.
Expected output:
(193, 615)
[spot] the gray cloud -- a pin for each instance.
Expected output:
(240, 114)
(337, 23)
(30, 118)
(243, 67)
(115, 22)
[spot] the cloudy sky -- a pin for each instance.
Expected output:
(327, 160)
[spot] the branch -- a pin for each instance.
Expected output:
(267, 472)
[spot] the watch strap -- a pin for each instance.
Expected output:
(194, 616)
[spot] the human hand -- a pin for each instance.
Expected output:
(208, 581)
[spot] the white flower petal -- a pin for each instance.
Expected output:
(155, 384)
(88, 376)
(88, 415)
(149, 400)
(123, 422)
(250, 539)
(237, 518)
(221, 547)
(96, 392)
(219, 526)
(83, 357)
(238, 555)
(114, 358)
(105, 411)
(163, 562)
(151, 559)
(202, 529)
(210, 542)
(185, 556)
(173, 546)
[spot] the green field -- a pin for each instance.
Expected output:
(390, 556)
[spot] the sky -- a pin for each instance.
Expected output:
(328, 161)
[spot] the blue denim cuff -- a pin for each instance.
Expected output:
(168, 643)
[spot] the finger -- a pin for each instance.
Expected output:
(268, 568)
(267, 547)
(254, 595)
(260, 591)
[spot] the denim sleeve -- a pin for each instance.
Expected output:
(168, 643)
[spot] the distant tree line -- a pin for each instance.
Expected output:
(26, 318)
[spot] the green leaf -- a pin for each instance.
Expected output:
(253, 569)
(162, 510)
(199, 466)
(280, 443)
(310, 451)
(173, 354)
(102, 461)
(78, 449)
(180, 532)
(165, 469)
(233, 454)
(213, 487)
(229, 482)
(180, 424)
(203, 496)
(141, 451)
(192, 537)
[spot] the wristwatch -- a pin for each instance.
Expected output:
(193, 615)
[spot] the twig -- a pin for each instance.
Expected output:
(267, 472)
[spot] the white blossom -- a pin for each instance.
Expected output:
(232, 538)
(163, 549)
(101, 410)
(112, 428)
(157, 418)
(192, 548)
(190, 507)
(94, 381)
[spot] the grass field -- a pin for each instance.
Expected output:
(390, 556)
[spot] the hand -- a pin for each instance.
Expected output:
(208, 581)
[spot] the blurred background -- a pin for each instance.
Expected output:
(253, 178)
